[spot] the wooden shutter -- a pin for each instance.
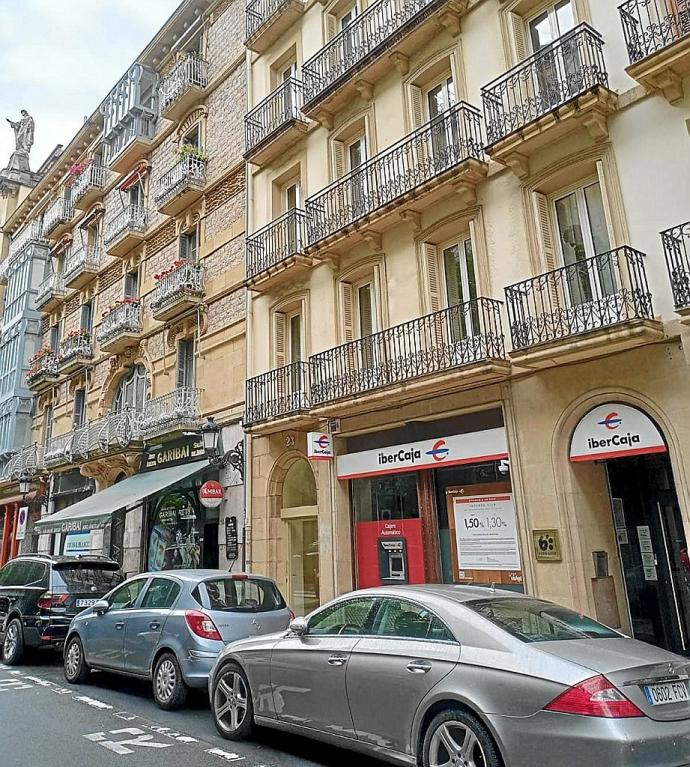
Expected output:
(544, 230)
(280, 333)
(79, 408)
(606, 201)
(433, 281)
(338, 159)
(417, 104)
(348, 309)
(332, 26)
(519, 37)
(185, 364)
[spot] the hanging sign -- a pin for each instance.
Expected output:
(613, 430)
(22, 519)
(211, 494)
(232, 545)
(319, 446)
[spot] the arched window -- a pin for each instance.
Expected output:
(299, 487)
(131, 390)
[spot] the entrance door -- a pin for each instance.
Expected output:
(304, 564)
(652, 549)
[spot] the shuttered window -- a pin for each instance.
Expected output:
(86, 317)
(47, 424)
(79, 414)
(188, 246)
(131, 285)
(540, 204)
(185, 363)
(279, 335)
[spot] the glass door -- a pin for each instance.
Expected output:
(366, 324)
(303, 564)
(356, 159)
(444, 130)
(461, 290)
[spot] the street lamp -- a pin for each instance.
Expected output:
(210, 433)
(24, 483)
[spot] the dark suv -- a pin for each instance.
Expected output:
(40, 594)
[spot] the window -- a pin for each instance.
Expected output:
(131, 390)
(135, 195)
(192, 137)
(54, 337)
(74, 578)
(551, 24)
(365, 309)
(161, 594)
(248, 595)
(352, 617)
(92, 235)
(125, 597)
(131, 288)
(8, 573)
(461, 288)
(47, 424)
(188, 246)
(292, 196)
(86, 316)
(398, 618)
(79, 414)
(185, 363)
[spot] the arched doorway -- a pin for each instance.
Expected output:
(299, 511)
(647, 520)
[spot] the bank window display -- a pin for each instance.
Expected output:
(175, 534)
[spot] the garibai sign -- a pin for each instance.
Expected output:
(613, 430)
(487, 445)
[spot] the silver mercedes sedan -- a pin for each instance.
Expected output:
(460, 676)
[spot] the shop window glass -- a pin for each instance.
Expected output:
(174, 538)
(353, 617)
(398, 618)
(379, 499)
(299, 487)
(161, 594)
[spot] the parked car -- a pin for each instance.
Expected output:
(170, 626)
(460, 675)
(40, 594)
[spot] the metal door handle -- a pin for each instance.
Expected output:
(419, 667)
(155, 625)
(119, 626)
(337, 660)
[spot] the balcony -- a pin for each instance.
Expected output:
(594, 307)
(57, 218)
(185, 85)
(182, 185)
(275, 124)
(464, 342)
(177, 291)
(167, 416)
(267, 20)
(443, 157)
(28, 459)
(546, 96)
(120, 327)
(387, 34)
(75, 351)
(81, 264)
(676, 243)
(50, 292)
(29, 234)
(657, 35)
(279, 394)
(43, 370)
(131, 142)
(276, 252)
(125, 230)
(88, 186)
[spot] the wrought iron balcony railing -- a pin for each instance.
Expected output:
(278, 109)
(60, 212)
(280, 240)
(651, 25)
(368, 35)
(52, 287)
(588, 295)
(92, 177)
(27, 459)
(569, 67)
(30, 232)
(45, 365)
(451, 338)
(184, 280)
(123, 318)
(79, 258)
(278, 393)
(186, 171)
(676, 243)
(131, 128)
(436, 147)
(79, 345)
(175, 410)
(259, 12)
(130, 218)
(190, 71)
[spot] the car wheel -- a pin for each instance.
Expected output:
(75, 667)
(13, 644)
(231, 703)
(456, 737)
(169, 688)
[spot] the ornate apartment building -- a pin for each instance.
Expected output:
(459, 289)
(140, 223)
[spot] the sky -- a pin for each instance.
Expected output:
(59, 58)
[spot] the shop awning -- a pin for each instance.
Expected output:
(95, 512)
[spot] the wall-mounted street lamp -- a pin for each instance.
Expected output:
(210, 437)
(24, 483)
(210, 434)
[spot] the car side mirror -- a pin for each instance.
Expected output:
(299, 626)
(102, 606)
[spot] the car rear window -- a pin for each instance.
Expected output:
(76, 577)
(532, 620)
(248, 595)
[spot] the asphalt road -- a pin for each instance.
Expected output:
(113, 722)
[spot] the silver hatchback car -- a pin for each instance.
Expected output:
(460, 676)
(170, 626)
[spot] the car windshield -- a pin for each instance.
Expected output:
(74, 578)
(532, 620)
(247, 595)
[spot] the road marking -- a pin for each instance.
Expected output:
(121, 747)
(126, 716)
(12, 685)
(92, 702)
(225, 755)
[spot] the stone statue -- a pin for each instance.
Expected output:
(18, 170)
(23, 132)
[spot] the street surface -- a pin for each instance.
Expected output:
(112, 721)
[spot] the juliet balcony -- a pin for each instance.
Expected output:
(275, 123)
(88, 186)
(281, 394)
(592, 307)
(178, 290)
(56, 219)
(30, 234)
(171, 414)
(444, 156)
(267, 20)
(183, 86)
(547, 95)
(676, 242)
(120, 327)
(44, 370)
(50, 292)
(387, 34)
(76, 350)
(29, 459)
(181, 185)
(657, 35)
(81, 265)
(125, 230)
(276, 252)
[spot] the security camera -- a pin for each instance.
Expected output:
(504, 466)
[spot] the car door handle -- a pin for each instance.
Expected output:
(119, 626)
(419, 667)
(154, 625)
(337, 660)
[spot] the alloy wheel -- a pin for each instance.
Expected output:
(166, 679)
(230, 701)
(11, 641)
(455, 744)
(73, 659)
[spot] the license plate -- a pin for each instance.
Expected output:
(669, 692)
(86, 602)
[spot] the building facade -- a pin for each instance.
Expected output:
(142, 307)
(459, 286)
